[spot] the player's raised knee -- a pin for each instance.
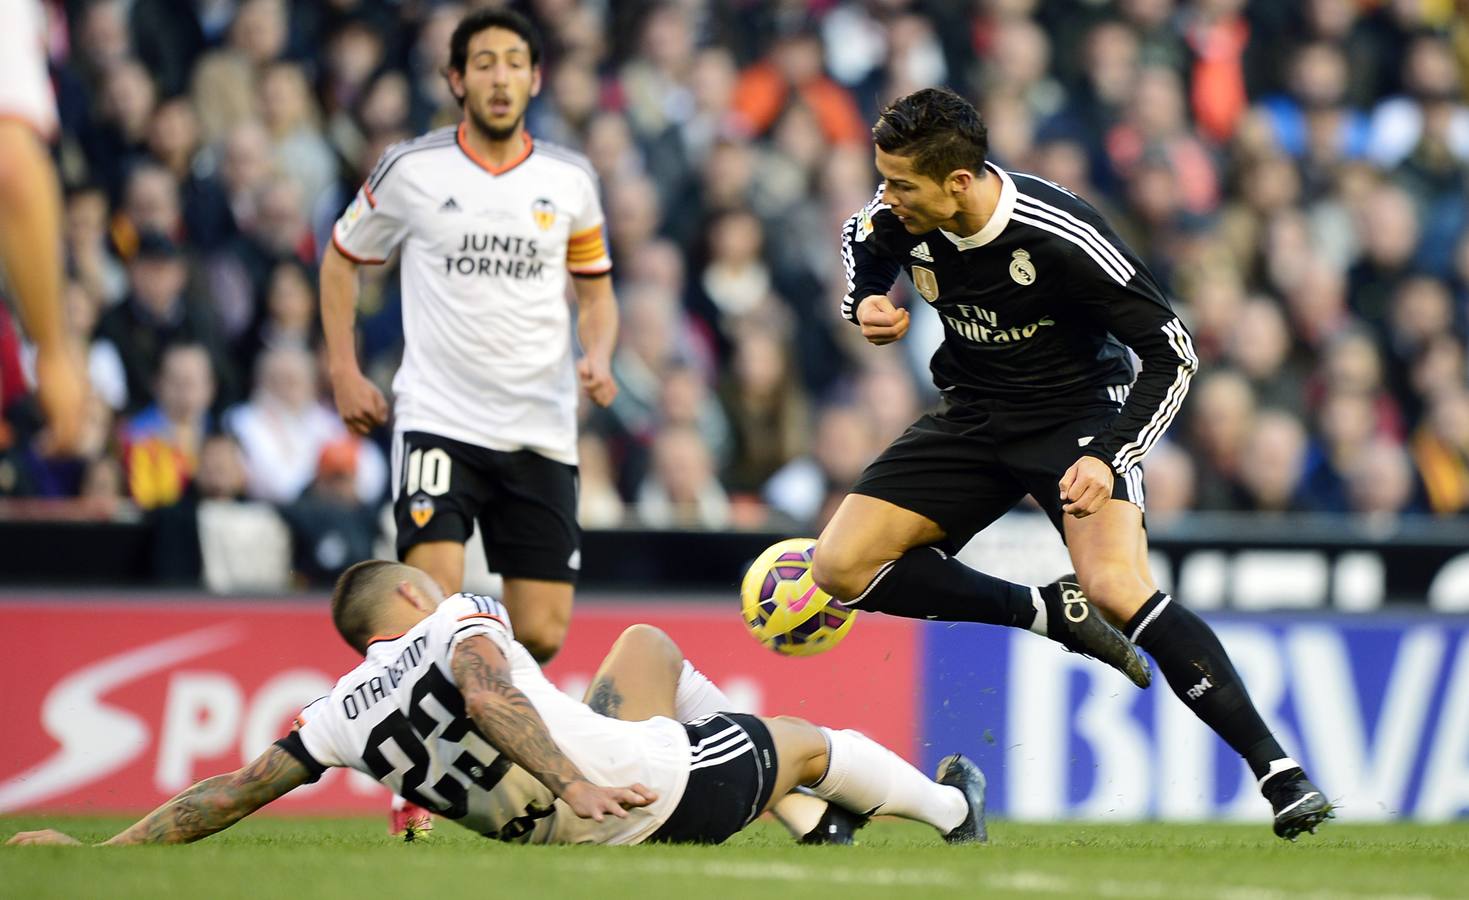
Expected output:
(839, 571)
(649, 642)
(544, 642)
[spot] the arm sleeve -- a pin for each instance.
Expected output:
(870, 270)
(1122, 296)
(464, 616)
(310, 740)
(586, 248)
(376, 219)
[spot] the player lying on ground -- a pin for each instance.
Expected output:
(450, 712)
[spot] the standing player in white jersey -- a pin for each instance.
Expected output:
(30, 219)
(489, 224)
(450, 711)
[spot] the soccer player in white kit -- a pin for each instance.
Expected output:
(450, 711)
(30, 219)
(489, 224)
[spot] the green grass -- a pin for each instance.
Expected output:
(353, 858)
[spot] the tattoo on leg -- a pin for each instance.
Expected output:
(605, 699)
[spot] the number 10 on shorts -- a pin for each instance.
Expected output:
(428, 471)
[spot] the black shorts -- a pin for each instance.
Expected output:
(732, 772)
(525, 504)
(965, 466)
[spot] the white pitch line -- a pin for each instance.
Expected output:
(1026, 881)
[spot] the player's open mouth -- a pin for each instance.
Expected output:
(499, 107)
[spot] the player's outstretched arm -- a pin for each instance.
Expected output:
(212, 805)
(507, 719)
(596, 325)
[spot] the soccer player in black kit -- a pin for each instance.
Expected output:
(1040, 301)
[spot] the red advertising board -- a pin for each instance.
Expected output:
(117, 705)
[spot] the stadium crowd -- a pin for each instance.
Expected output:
(1294, 173)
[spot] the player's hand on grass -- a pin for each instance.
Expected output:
(596, 379)
(361, 405)
(594, 802)
(882, 323)
(47, 838)
(1086, 487)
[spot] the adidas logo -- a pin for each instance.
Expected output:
(449, 206)
(921, 252)
(1197, 690)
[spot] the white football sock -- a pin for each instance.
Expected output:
(866, 777)
(1042, 621)
(695, 697)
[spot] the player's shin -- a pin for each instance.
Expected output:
(695, 697)
(1200, 673)
(866, 777)
(927, 583)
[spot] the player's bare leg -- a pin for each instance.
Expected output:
(1109, 550)
(444, 562)
(30, 257)
(878, 556)
(645, 674)
(857, 773)
(541, 611)
(864, 535)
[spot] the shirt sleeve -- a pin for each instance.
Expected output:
(586, 249)
(870, 268)
(310, 741)
(464, 616)
(377, 218)
(1121, 295)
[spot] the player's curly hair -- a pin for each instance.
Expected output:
(353, 605)
(939, 129)
(477, 21)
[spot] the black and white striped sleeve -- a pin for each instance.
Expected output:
(1121, 295)
(869, 270)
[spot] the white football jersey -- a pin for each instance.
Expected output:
(25, 85)
(485, 256)
(399, 717)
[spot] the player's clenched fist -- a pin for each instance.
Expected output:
(361, 405)
(882, 323)
(1086, 487)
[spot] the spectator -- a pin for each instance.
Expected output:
(283, 429)
(1169, 482)
(1441, 452)
(681, 490)
(598, 504)
(809, 487)
(161, 444)
(767, 408)
(1221, 420)
(1382, 483)
(331, 527)
(158, 311)
(1271, 463)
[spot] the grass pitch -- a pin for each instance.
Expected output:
(353, 858)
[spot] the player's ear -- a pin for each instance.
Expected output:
(535, 80)
(455, 78)
(958, 181)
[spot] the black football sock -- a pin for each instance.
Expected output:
(1200, 673)
(927, 583)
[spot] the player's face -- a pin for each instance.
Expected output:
(498, 81)
(919, 202)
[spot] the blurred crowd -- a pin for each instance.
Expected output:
(1293, 173)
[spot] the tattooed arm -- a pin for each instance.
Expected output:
(212, 805)
(509, 721)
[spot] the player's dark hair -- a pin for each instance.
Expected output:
(939, 129)
(477, 21)
(351, 611)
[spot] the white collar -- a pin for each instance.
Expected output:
(998, 220)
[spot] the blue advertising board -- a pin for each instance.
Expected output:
(1376, 708)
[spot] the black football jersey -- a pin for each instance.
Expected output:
(1038, 308)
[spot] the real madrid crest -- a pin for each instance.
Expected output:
(1021, 268)
(421, 510)
(544, 212)
(926, 282)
